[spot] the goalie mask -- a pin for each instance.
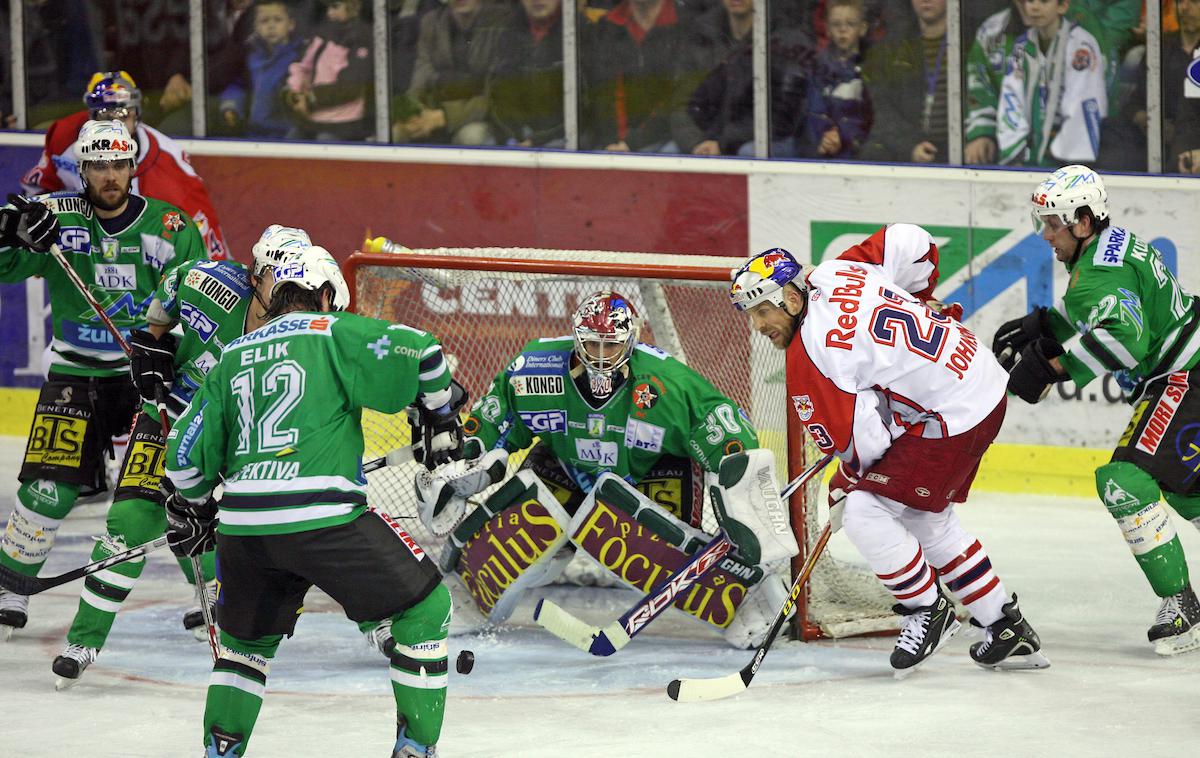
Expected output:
(311, 268)
(761, 279)
(606, 328)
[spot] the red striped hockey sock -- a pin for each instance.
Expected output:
(913, 585)
(969, 577)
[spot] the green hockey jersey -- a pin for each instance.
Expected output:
(1124, 312)
(663, 407)
(209, 300)
(985, 71)
(120, 269)
(279, 418)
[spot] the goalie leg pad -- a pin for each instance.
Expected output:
(757, 612)
(749, 509)
(508, 545)
(631, 538)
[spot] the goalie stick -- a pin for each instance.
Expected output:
(604, 641)
(32, 585)
(693, 690)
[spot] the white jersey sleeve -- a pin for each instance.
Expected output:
(904, 253)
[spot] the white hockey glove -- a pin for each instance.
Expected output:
(442, 493)
(840, 485)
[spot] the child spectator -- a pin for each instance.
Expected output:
(1053, 94)
(327, 89)
(839, 107)
(527, 78)
(253, 99)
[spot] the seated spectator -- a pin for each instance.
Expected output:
(906, 78)
(328, 88)
(1181, 93)
(527, 78)
(448, 99)
(639, 71)
(839, 108)
(252, 102)
(986, 60)
(1053, 94)
(405, 22)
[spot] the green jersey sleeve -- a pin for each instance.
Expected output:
(196, 445)
(386, 367)
(495, 420)
(709, 424)
(1113, 338)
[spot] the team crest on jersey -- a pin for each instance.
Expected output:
(1082, 60)
(644, 396)
(595, 424)
(172, 221)
(109, 248)
(804, 406)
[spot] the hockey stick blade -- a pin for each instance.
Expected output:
(583, 636)
(696, 690)
(32, 585)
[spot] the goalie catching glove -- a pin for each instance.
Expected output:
(442, 493)
(437, 434)
(191, 527)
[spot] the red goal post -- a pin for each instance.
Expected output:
(484, 304)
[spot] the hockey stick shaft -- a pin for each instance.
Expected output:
(73, 275)
(691, 690)
(604, 641)
(31, 585)
(395, 457)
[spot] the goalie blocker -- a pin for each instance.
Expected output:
(516, 539)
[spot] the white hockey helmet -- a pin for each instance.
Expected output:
(762, 278)
(311, 268)
(1065, 191)
(605, 317)
(104, 141)
(276, 243)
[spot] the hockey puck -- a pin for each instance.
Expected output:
(465, 662)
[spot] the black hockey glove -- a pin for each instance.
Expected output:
(437, 435)
(28, 224)
(191, 529)
(1031, 377)
(151, 362)
(1012, 336)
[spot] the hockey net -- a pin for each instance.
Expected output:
(484, 304)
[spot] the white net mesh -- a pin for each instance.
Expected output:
(483, 316)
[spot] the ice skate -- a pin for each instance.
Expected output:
(380, 638)
(406, 747)
(14, 613)
(925, 631)
(70, 665)
(221, 743)
(193, 620)
(1176, 628)
(1009, 643)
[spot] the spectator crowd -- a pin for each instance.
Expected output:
(1046, 82)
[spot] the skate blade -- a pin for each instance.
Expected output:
(6, 632)
(1180, 643)
(950, 632)
(1029, 662)
(63, 683)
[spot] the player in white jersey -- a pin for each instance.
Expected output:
(899, 390)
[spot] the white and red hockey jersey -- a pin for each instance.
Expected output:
(871, 362)
(163, 172)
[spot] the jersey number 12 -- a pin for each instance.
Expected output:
(284, 381)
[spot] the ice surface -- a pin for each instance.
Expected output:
(1106, 694)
